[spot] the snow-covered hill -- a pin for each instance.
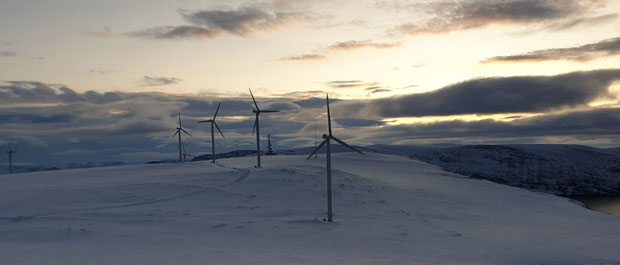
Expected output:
(557, 169)
(388, 210)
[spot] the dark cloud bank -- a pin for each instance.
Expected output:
(493, 95)
(53, 123)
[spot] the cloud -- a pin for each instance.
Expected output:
(590, 124)
(178, 32)
(243, 21)
(493, 95)
(608, 47)
(379, 90)
(304, 57)
(35, 118)
(8, 54)
(100, 72)
(341, 46)
(359, 122)
(281, 106)
(37, 92)
(582, 21)
(450, 16)
(158, 81)
(116, 123)
(352, 84)
(354, 45)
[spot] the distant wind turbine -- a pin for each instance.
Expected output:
(185, 154)
(179, 130)
(212, 121)
(258, 111)
(11, 152)
(329, 159)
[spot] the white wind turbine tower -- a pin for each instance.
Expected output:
(327, 138)
(212, 121)
(179, 130)
(11, 152)
(258, 111)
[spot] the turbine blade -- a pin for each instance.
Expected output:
(186, 132)
(329, 117)
(254, 128)
(253, 99)
(345, 144)
(175, 134)
(218, 129)
(317, 148)
(204, 121)
(218, 109)
(180, 119)
(269, 111)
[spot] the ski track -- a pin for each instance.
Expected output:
(244, 174)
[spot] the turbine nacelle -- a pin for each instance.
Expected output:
(329, 136)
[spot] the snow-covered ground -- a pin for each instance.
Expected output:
(388, 210)
(551, 168)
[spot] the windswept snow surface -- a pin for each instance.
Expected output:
(388, 210)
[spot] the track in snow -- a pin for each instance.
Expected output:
(243, 174)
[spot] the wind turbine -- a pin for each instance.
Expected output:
(212, 121)
(179, 130)
(185, 154)
(11, 152)
(328, 138)
(258, 111)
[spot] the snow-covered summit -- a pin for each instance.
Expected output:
(388, 210)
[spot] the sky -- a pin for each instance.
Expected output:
(90, 80)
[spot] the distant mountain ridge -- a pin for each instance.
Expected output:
(557, 169)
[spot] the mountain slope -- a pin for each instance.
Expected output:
(388, 210)
(556, 169)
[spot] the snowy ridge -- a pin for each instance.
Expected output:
(388, 210)
(556, 169)
(23, 168)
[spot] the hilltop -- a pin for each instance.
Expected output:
(388, 210)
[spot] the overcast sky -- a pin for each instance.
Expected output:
(104, 80)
